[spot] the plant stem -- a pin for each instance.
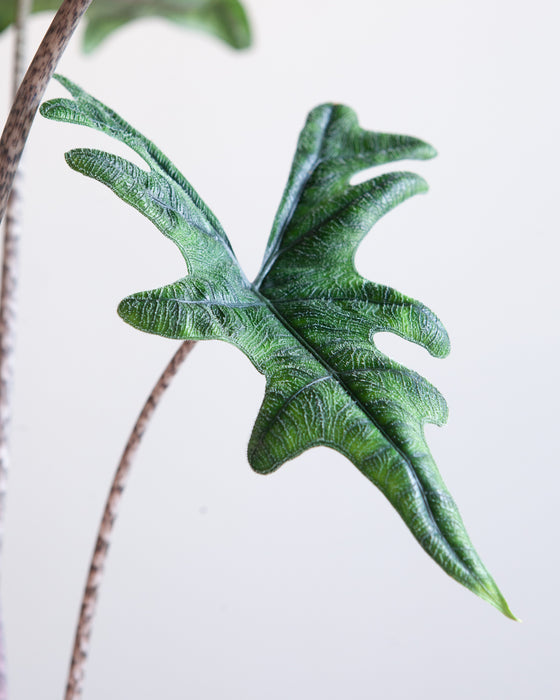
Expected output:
(8, 289)
(31, 92)
(89, 600)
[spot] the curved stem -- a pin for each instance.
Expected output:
(31, 92)
(8, 290)
(89, 600)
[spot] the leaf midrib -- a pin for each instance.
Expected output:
(313, 230)
(316, 161)
(336, 376)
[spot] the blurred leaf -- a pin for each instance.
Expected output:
(309, 320)
(225, 19)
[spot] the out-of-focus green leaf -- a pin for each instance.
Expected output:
(225, 19)
(308, 322)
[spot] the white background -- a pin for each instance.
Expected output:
(303, 584)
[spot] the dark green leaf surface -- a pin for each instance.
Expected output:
(309, 320)
(225, 19)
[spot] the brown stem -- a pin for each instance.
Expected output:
(89, 600)
(31, 92)
(8, 290)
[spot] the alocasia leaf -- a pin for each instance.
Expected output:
(308, 321)
(225, 19)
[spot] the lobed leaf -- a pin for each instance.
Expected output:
(309, 320)
(225, 19)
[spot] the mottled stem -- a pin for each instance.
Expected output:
(8, 289)
(89, 600)
(31, 92)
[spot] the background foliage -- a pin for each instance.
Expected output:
(225, 19)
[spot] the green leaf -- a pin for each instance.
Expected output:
(309, 320)
(225, 19)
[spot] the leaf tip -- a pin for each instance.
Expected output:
(490, 592)
(56, 108)
(429, 151)
(504, 608)
(126, 310)
(242, 39)
(76, 160)
(420, 150)
(47, 109)
(90, 42)
(442, 349)
(65, 82)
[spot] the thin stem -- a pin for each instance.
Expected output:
(31, 92)
(8, 290)
(22, 13)
(89, 600)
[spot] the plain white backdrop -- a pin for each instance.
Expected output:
(303, 584)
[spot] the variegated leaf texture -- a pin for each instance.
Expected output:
(308, 321)
(225, 19)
